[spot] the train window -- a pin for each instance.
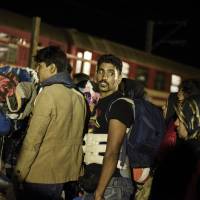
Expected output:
(87, 64)
(3, 53)
(79, 62)
(12, 54)
(159, 83)
(4, 37)
(125, 69)
(142, 75)
(175, 82)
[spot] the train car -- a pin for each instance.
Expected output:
(159, 75)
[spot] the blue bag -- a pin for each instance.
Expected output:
(143, 139)
(145, 135)
(5, 124)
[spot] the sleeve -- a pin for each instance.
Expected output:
(122, 111)
(37, 129)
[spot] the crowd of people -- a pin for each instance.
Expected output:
(62, 136)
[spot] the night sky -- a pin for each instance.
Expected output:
(175, 35)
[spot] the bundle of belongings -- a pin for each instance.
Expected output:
(18, 90)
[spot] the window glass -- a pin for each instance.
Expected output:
(3, 52)
(159, 83)
(142, 75)
(12, 54)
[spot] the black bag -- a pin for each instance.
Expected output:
(89, 180)
(5, 182)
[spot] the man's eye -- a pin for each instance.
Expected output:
(110, 73)
(100, 72)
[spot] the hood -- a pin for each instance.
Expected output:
(60, 78)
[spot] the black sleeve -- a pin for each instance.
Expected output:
(122, 111)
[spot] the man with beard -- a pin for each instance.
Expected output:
(107, 129)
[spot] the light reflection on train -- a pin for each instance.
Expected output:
(159, 75)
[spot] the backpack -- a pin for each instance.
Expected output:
(145, 135)
(143, 139)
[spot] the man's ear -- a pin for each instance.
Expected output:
(95, 77)
(53, 68)
(119, 78)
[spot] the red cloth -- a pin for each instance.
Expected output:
(169, 139)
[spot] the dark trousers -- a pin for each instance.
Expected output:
(34, 191)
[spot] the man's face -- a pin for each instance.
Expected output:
(108, 79)
(43, 71)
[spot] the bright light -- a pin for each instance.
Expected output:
(176, 80)
(125, 69)
(87, 65)
(174, 88)
(3, 35)
(78, 63)
(3, 48)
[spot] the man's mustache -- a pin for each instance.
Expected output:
(103, 82)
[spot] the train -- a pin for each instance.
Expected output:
(159, 75)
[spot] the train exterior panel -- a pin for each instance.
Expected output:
(159, 75)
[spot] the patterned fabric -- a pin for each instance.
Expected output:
(189, 114)
(8, 83)
(17, 90)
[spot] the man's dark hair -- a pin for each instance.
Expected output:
(53, 55)
(109, 58)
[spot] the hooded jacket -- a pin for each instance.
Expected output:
(52, 149)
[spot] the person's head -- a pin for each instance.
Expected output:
(131, 88)
(50, 61)
(188, 88)
(80, 80)
(188, 121)
(109, 68)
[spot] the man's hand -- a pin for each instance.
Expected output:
(98, 196)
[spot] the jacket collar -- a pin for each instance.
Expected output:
(60, 78)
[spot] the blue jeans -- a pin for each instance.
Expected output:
(119, 188)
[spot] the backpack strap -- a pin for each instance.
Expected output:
(123, 152)
(123, 98)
